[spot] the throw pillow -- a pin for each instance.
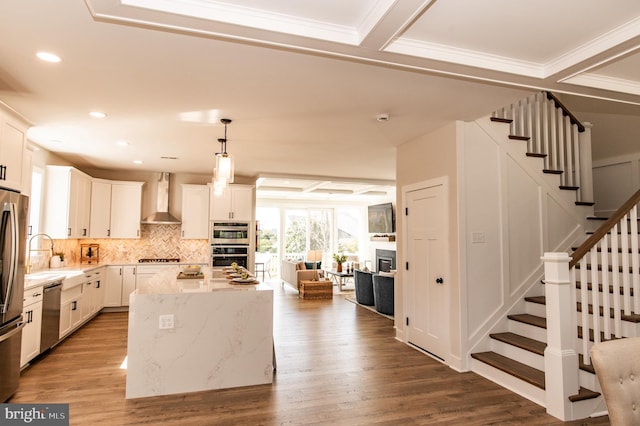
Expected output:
(309, 265)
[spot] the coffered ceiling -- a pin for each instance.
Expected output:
(303, 81)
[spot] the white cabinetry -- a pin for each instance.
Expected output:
(120, 283)
(92, 293)
(12, 151)
(32, 315)
(67, 205)
(100, 208)
(116, 207)
(70, 309)
(195, 211)
(235, 202)
(145, 272)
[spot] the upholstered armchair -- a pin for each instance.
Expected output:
(363, 282)
(617, 365)
(383, 294)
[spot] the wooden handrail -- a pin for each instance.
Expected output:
(565, 111)
(604, 229)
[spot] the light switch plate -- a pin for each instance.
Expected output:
(165, 321)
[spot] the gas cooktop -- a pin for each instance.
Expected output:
(165, 260)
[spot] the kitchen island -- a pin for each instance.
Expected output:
(188, 335)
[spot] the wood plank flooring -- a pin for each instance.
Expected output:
(338, 364)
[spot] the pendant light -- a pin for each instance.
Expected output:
(223, 169)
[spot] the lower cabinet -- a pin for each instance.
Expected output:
(92, 293)
(32, 315)
(70, 309)
(120, 282)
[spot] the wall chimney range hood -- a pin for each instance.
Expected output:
(162, 215)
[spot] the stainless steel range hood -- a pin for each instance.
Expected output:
(162, 215)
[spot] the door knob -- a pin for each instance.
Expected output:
(439, 280)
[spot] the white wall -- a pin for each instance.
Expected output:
(614, 181)
(520, 213)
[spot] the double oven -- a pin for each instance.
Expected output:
(229, 243)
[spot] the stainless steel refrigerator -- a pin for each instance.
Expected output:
(13, 227)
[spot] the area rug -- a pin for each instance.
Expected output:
(370, 308)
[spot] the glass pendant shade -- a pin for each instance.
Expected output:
(224, 167)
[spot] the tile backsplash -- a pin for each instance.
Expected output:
(156, 241)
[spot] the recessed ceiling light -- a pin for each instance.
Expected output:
(137, 161)
(97, 114)
(48, 57)
(122, 143)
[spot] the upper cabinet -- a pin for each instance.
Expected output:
(235, 202)
(12, 151)
(195, 211)
(67, 202)
(116, 207)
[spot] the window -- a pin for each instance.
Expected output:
(349, 226)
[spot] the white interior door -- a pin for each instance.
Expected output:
(427, 287)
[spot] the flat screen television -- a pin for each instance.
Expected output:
(381, 219)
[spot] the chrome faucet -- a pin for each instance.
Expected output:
(30, 249)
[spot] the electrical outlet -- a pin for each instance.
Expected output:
(165, 321)
(478, 237)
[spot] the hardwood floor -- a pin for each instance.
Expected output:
(337, 364)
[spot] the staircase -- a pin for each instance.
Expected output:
(516, 350)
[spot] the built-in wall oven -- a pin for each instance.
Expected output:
(229, 233)
(225, 255)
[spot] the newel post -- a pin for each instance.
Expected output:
(586, 163)
(560, 356)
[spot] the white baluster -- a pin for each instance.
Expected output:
(595, 294)
(568, 160)
(624, 240)
(635, 262)
(584, 299)
(606, 305)
(615, 266)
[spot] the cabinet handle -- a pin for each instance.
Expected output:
(84, 232)
(183, 233)
(138, 233)
(120, 271)
(98, 284)
(75, 305)
(68, 232)
(30, 230)
(108, 232)
(3, 172)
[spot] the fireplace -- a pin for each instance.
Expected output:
(385, 260)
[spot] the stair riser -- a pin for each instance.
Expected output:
(524, 389)
(536, 309)
(521, 355)
(530, 331)
(589, 381)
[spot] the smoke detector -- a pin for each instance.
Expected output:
(382, 117)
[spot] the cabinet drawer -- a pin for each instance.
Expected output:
(70, 293)
(32, 295)
(73, 281)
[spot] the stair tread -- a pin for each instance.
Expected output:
(590, 287)
(584, 366)
(529, 319)
(536, 155)
(519, 138)
(635, 318)
(584, 394)
(540, 300)
(569, 188)
(521, 342)
(517, 369)
(585, 203)
(552, 172)
(501, 120)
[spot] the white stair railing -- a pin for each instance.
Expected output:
(558, 135)
(608, 260)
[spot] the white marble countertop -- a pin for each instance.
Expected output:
(167, 282)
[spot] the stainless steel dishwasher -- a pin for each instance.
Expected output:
(50, 333)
